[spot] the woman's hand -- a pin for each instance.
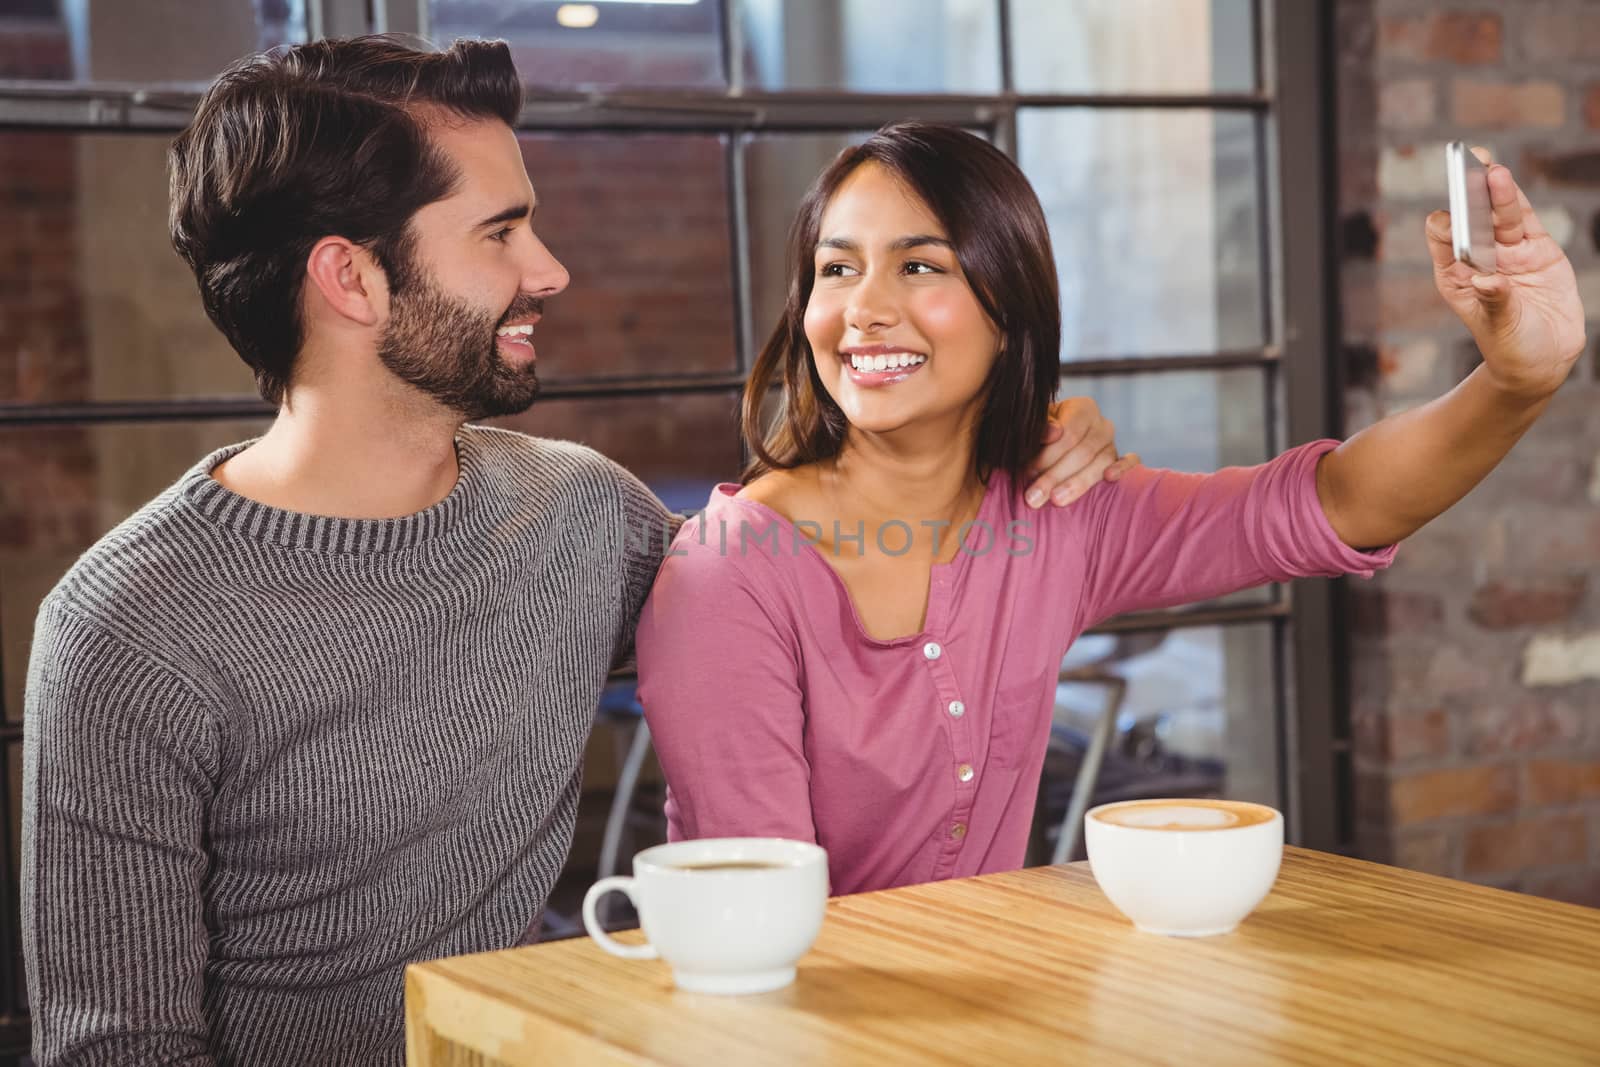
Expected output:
(1390, 479)
(1526, 317)
(1079, 450)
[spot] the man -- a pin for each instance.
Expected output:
(319, 709)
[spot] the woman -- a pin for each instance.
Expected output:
(886, 691)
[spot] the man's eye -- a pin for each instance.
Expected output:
(500, 234)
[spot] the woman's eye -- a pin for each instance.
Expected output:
(919, 267)
(831, 270)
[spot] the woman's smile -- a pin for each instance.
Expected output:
(875, 366)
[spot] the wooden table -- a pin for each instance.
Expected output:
(1345, 961)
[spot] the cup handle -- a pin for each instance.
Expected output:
(591, 923)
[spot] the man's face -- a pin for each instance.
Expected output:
(464, 304)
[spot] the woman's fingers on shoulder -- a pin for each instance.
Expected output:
(1122, 466)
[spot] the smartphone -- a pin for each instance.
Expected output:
(1471, 218)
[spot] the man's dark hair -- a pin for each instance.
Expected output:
(324, 139)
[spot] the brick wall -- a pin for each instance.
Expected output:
(641, 223)
(1476, 673)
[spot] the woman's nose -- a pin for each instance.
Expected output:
(871, 305)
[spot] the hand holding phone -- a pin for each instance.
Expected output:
(1522, 305)
(1471, 215)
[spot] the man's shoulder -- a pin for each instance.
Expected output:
(544, 461)
(160, 542)
(563, 481)
(123, 595)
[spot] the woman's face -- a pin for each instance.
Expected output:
(898, 336)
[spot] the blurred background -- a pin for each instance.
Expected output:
(1235, 190)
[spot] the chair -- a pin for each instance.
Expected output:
(619, 710)
(1115, 761)
(1090, 660)
(623, 717)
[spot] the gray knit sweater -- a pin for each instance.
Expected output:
(272, 758)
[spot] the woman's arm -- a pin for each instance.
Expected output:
(1159, 538)
(719, 678)
(1388, 481)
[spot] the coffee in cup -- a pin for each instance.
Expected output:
(728, 865)
(729, 915)
(1184, 867)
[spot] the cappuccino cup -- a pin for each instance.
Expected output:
(1184, 868)
(729, 915)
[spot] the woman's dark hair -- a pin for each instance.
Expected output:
(289, 147)
(992, 217)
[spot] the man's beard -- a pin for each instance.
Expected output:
(446, 348)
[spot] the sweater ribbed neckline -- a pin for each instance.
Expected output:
(327, 533)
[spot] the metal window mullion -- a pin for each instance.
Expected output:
(1286, 704)
(1008, 82)
(899, 101)
(732, 41)
(1265, 356)
(400, 16)
(168, 107)
(132, 112)
(1005, 120)
(737, 115)
(1269, 225)
(10, 950)
(13, 416)
(1269, 65)
(10, 734)
(1254, 101)
(338, 18)
(243, 407)
(739, 222)
(1271, 385)
(1288, 733)
(743, 300)
(180, 409)
(1316, 667)
(1189, 618)
(1005, 133)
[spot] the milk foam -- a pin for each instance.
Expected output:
(1174, 816)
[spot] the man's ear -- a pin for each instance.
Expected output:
(348, 281)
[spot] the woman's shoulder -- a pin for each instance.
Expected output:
(786, 493)
(743, 537)
(732, 565)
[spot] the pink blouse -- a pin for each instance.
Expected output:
(918, 758)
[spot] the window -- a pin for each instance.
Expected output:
(563, 46)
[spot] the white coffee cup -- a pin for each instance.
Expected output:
(1184, 868)
(730, 915)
